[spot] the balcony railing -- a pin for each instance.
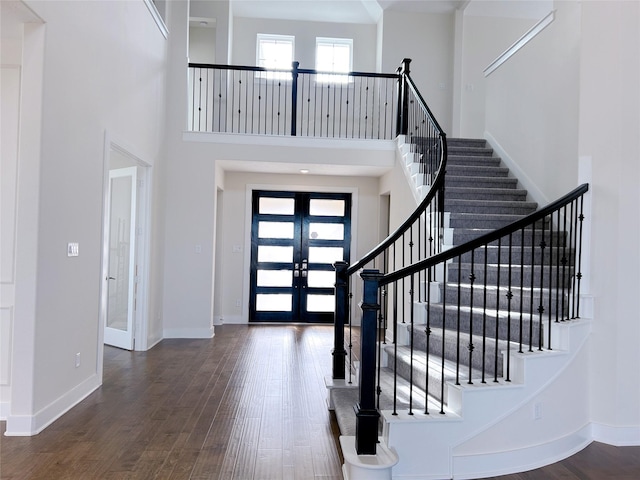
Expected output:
(297, 102)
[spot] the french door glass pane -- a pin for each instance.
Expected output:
(321, 279)
(325, 254)
(275, 229)
(276, 206)
(275, 278)
(323, 207)
(273, 302)
(268, 253)
(320, 303)
(119, 256)
(326, 231)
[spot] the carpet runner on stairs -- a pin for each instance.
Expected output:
(481, 197)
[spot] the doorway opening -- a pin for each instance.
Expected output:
(125, 250)
(296, 237)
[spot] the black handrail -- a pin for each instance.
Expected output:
(296, 102)
(485, 239)
(435, 189)
(480, 337)
(419, 236)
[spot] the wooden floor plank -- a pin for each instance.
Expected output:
(248, 404)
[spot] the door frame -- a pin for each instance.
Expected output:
(115, 336)
(250, 187)
(113, 143)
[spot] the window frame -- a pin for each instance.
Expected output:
(338, 76)
(283, 74)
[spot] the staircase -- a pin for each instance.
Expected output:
(480, 197)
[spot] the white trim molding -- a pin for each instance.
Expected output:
(521, 42)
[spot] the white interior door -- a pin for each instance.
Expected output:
(121, 279)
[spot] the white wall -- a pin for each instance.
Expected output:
(237, 225)
(246, 29)
(96, 78)
(202, 44)
(220, 10)
(483, 39)
(532, 105)
(609, 144)
(428, 41)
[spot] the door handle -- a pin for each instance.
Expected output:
(111, 278)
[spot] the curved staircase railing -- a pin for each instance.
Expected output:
(419, 237)
(481, 302)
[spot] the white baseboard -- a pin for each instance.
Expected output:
(188, 333)
(520, 460)
(28, 425)
(617, 436)
(533, 191)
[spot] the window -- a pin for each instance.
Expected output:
(275, 52)
(334, 55)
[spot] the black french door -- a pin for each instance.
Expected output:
(295, 239)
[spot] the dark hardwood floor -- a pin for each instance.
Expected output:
(248, 404)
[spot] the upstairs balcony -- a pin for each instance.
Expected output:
(300, 102)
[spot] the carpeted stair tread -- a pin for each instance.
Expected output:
(470, 193)
(485, 354)
(489, 206)
(480, 220)
(470, 160)
(552, 300)
(479, 180)
(469, 150)
(477, 170)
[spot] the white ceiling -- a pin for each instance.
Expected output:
(337, 11)
(370, 11)
(13, 13)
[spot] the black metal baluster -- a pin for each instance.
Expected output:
(259, 117)
(543, 245)
(531, 286)
(280, 108)
(573, 248)
(206, 114)
(444, 331)
(579, 262)
(233, 101)
(200, 101)
(497, 338)
(484, 314)
(523, 250)
(379, 345)
(427, 332)
(556, 261)
(395, 347)
(470, 347)
(411, 340)
(552, 288)
(509, 297)
(193, 99)
(246, 103)
(565, 296)
(458, 323)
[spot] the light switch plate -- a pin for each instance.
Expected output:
(73, 249)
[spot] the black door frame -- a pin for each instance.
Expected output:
(301, 242)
